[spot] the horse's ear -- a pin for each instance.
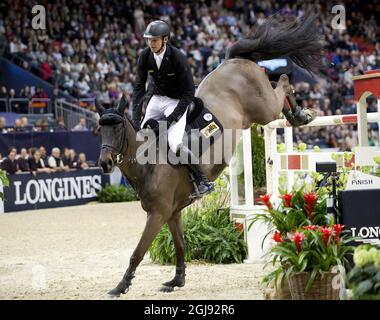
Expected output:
(122, 104)
(99, 107)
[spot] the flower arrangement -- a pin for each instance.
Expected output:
(305, 238)
(296, 209)
(364, 278)
(314, 249)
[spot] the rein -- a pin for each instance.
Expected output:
(120, 156)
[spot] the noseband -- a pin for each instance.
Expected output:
(113, 119)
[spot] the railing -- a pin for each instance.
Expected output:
(42, 104)
(4, 105)
(86, 102)
(71, 114)
(12, 102)
(31, 106)
(291, 161)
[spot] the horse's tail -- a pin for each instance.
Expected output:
(300, 41)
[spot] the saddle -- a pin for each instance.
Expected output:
(202, 127)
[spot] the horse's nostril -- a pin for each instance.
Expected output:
(110, 162)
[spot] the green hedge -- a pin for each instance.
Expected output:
(116, 193)
(258, 158)
(209, 233)
(5, 182)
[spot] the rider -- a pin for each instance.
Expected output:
(173, 92)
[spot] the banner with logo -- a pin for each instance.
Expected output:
(27, 192)
(360, 212)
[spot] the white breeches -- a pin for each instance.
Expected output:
(160, 107)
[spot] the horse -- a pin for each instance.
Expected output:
(238, 93)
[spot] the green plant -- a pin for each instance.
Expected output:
(364, 278)
(4, 181)
(313, 249)
(116, 193)
(210, 235)
(258, 158)
(296, 209)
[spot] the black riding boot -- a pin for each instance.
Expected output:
(203, 185)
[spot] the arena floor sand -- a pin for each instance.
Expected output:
(82, 252)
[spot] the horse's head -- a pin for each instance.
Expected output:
(113, 135)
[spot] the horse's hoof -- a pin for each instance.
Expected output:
(116, 292)
(166, 289)
(174, 283)
(310, 114)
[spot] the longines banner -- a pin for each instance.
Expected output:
(26, 192)
(361, 213)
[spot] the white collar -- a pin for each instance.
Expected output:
(161, 54)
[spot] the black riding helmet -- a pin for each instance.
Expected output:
(157, 29)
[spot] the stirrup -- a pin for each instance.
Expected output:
(198, 193)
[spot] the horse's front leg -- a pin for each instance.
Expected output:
(153, 225)
(176, 229)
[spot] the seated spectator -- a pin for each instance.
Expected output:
(3, 128)
(25, 93)
(13, 106)
(82, 86)
(22, 160)
(55, 162)
(73, 157)
(42, 125)
(17, 127)
(25, 124)
(67, 161)
(46, 70)
(82, 163)
(43, 155)
(60, 126)
(9, 164)
(81, 126)
(40, 105)
(36, 164)
(3, 95)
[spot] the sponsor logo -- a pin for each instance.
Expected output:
(207, 116)
(367, 234)
(57, 189)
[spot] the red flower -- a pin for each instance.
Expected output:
(337, 231)
(313, 227)
(310, 200)
(277, 237)
(287, 199)
(297, 238)
(326, 233)
(265, 200)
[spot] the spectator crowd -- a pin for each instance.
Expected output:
(36, 160)
(90, 48)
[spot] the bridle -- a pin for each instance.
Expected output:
(124, 144)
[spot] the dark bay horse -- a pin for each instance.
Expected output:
(239, 94)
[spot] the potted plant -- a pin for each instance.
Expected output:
(310, 259)
(307, 243)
